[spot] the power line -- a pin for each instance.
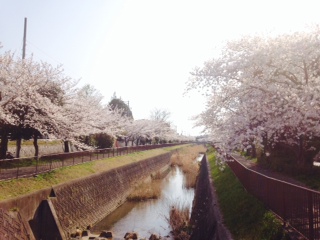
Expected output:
(43, 52)
(51, 58)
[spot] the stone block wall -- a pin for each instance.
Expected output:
(55, 212)
(12, 226)
(85, 202)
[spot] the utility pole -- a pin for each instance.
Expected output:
(19, 137)
(24, 39)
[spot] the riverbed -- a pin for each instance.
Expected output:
(151, 216)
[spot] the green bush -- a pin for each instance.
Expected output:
(103, 140)
(271, 227)
(98, 140)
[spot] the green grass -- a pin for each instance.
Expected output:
(244, 215)
(14, 188)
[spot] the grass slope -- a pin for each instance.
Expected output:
(13, 188)
(244, 215)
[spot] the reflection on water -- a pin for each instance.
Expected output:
(149, 216)
(199, 158)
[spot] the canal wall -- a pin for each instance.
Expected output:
(56, 212)
(206, 218)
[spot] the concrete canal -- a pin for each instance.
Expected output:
(151, 216)
(56, 213)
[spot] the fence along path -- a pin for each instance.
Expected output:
(27, 167)
(297, 206)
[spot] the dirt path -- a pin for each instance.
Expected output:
(267, 172)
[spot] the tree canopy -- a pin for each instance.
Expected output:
(38, 100)
(161, 115)
(119, 104)
(264, 92)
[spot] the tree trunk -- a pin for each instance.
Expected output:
(66, 146)
(253, 151)
(18, 146)
(138, 141)
(4, 144)
(299, 153)
(126, 141)
(36, 146)
(302, 158)
(266, 149)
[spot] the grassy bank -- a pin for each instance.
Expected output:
(185, 159)
(182, 157)
(13, 188)
(146, 191)
(244, 215)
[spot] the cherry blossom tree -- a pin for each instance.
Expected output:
(158, 114)
(136, 130)
(146, 129)
(39, 100)
(88, 114)
(264, 92)
(29, 101)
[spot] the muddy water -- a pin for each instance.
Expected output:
(149, 216)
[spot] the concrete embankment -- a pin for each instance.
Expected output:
(206, 218)
(54, 213)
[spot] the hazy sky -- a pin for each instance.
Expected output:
(143, 50)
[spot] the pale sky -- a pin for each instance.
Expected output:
(143, 50)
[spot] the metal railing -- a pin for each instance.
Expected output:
(295, 205)
(26, 167)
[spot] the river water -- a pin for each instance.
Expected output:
(150, 216)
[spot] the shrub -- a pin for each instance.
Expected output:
(179, 218)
